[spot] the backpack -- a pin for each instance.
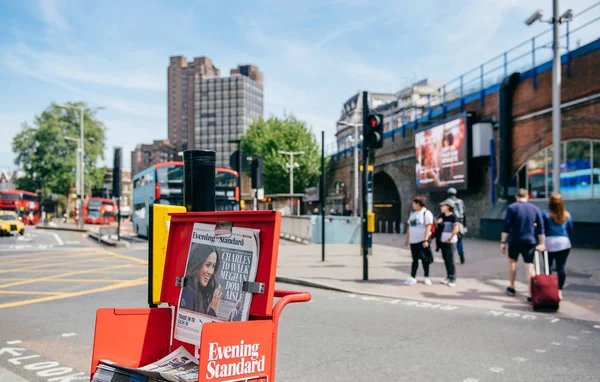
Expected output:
(433, 226)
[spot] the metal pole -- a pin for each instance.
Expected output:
(355, 202)
(365, 163)
(323, 192)
(82, 165)
(78, 203)
(556, 69)
(239, 169)
(291, 174)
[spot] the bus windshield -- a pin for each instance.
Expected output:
(170, 184)
(94, 204)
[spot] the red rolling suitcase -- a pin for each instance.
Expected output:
(544, 287)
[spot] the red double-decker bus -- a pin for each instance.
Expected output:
(24, 203)
(99, 211)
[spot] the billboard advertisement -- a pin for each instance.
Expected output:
(441, 153)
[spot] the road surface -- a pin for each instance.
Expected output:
(51, 284)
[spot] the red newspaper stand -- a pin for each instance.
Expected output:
(137, 337)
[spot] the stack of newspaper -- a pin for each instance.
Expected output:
(179, 366)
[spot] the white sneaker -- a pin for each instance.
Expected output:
(427, 281)
(451, 285)
(445, 281)
(410, 281)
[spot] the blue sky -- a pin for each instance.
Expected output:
(314, 54)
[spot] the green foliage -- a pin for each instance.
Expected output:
(265, 137)
(49, 159)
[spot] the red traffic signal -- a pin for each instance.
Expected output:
(374, 130)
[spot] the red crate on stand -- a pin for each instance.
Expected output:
(137, 337)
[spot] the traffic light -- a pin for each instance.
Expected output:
(116, 191)
(374, 131)
(257, 172)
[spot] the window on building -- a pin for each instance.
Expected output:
(579, 171)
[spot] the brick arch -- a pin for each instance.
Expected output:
(535, 134)
(404, 182)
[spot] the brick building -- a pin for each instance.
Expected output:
(145, 155)
(522, 156)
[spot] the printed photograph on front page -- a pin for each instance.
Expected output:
(217, 266)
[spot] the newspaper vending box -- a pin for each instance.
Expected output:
(231, 344)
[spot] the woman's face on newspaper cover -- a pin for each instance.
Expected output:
(207, 270)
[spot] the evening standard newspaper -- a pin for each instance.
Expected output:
(178, 366)
(219, 260)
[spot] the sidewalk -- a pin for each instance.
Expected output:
(481, 281)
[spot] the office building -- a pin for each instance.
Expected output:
(205, 110)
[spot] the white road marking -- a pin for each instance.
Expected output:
(69, 334)
(60, 242)
(14, 342)
(12, 351)
(585, 332)
(556, 343)
(496, 369)
(72, 242)
(471, 380)
(46, 369)
(370, 298)
(540, 350)
(351, 295)
(519, 359)
(573, 338)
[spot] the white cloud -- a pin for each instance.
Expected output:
(352, 27)
(87, 69)
(51, 14)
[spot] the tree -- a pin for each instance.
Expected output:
(265, 137)
(48, 158)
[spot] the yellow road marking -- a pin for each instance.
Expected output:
(65, 275)
(137, 260)
(140, 271)
(23, 292)
(83, 280)
(49, 265)
(45, 253)
(42, 259)
(120, 285)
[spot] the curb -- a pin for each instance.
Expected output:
(293, 238)
(110, 242)
(312, 284)
(61, 229)
(316, 285)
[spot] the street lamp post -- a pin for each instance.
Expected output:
(291, 166)
(80, 160)
(355, 185)
(556, 79)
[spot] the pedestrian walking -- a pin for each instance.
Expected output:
(558, 226)
(448, 227)
(461, 216)
(522, 225)
(418, 234)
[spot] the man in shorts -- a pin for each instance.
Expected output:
(522, 224)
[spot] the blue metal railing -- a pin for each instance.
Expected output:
(530, 58)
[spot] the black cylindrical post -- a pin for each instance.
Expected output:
(323, 195)
(199, 180)
(365, 211)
